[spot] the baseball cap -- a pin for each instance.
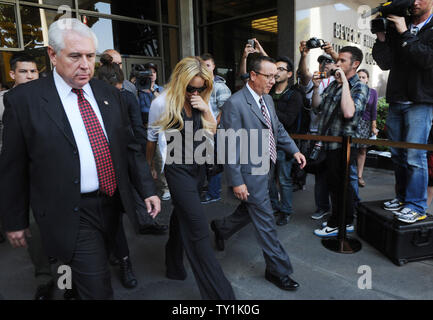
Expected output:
(325, 58)
(151, 65)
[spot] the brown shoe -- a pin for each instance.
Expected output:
(361, 182)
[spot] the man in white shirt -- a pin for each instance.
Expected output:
(68, 152)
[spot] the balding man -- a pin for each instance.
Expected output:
(68, 149)
(117, 59)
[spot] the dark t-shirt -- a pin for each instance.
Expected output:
(189, 145)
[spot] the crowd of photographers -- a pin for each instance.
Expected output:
(334, 100)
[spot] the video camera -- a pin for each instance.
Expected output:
(314, 43)
(143, 77)
(399, 8)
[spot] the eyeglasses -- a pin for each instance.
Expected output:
(268, 77)
(191, 89)
(327, 61)
(282, 69)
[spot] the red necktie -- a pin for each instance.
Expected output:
(272, 147)
(99, 143)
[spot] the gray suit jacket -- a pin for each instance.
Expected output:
(241, 112)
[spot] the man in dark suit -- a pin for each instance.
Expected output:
(251, 109)
(69, 154)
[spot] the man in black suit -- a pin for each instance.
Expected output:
(69, 153)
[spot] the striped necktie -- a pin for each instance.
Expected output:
(99, 144)
(272, 146)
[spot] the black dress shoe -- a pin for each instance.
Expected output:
(71, 294)
(285, 282)
(156, 229)
(127, 276)
(45, 291)
(283, 219)
(113, 260)
(219, 240)
(176, 275)
(52, 260)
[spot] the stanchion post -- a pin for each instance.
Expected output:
(345, 154)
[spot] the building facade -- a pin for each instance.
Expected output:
(164, 31)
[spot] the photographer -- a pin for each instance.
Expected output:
(326, 63)
(147, 88)
(342, 103)
(406, 49)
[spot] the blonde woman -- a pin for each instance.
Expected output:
(185, 104)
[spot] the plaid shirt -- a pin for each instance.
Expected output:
(331, 99)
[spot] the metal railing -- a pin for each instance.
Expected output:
(342, 243)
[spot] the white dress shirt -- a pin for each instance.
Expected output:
(257, 99)
(88, 172)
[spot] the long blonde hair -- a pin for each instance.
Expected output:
(183, 73)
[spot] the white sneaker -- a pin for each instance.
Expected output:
(393, 205)
(349, 227)
(166, 196)
(326, 232)
(408, 215)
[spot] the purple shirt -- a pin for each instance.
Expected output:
(370, 112)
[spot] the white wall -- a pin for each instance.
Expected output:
(317, 18)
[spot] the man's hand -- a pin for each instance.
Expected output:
(316, 79)
(248, 49)
(381, 36)
(18, 238)
(241, 192)
(340, 77)
(303, 49)
(153, 206)
(300, 158)
(154, 173)
(399, 23)
(330, 50)
(259, 47)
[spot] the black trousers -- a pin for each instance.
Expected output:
(99, 219)
(189, 231)
(335, 181)
(121, 248)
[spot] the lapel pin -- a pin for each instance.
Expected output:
(106, 102)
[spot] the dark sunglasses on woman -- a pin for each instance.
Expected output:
(192, 89)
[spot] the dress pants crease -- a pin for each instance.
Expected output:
(99, 220)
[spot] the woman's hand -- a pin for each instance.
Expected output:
(198, 103)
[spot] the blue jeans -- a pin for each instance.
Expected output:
(321, 192)
(283, 171)
(214, 186)
(353, 180)
(410, 123)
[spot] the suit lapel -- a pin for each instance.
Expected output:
(104, 105)
(253, 104)
(53, 106)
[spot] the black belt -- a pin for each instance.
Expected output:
(93, 194)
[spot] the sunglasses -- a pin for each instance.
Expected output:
(191, 89)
